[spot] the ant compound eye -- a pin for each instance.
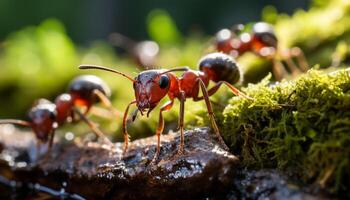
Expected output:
(163, 81)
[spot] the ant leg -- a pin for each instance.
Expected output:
(47, 156)
(38, 145)
(167, 106)
(211, 114)
(107, 103)
(51, 140)
(181, 122)
(290, 64)
(300, 56)
(73, 117)
(93, 127)
(215, 88)
(278, 70)
(125, 131)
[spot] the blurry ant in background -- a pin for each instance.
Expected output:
(151, 86)
(44, 116)
(144, 53)
(42, 120)
(263, 42)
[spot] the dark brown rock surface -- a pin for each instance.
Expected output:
(96, 171)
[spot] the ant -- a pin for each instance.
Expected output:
(42, 120)
(45, 116)
(263, 42)
(144, 52)
(151, 86)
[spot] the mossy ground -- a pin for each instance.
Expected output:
(302, 125)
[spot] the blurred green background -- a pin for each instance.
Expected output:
(43, 42)
(89, 20)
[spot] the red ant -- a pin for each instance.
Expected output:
(45, 116)
(263, 42)
(151, 86)
(42, 119)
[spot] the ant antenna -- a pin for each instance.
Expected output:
(176, 70)
(106, 69)
(15, 121)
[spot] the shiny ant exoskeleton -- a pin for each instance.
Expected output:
(44, 117)
(263, 42)
(151, 86)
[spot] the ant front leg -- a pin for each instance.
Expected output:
(107, 103)
(291, 66)
(278, 69)
(167, 106)
(38, 148)
(125, 131)
(51, 140)
(93, 127)
(300, 56)
(181, 123)
(211, 113)
(52, 135)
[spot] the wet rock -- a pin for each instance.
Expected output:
(94, 171)
(269, 184)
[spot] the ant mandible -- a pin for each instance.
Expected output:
(151, 86)
(263, 42)
(45, 116)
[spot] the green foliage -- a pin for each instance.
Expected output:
(35, 62)
(160, 20)
(301, 124)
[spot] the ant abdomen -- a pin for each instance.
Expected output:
(82, 89)
(220, 67)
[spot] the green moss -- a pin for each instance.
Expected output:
(302, 124)
(317, 31)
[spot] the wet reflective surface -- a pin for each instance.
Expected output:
(93, 171)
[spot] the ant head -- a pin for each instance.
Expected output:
(42, 118)
(82, 89)
(263, 27)
(264, 34)
(223, 40)
(150, 87)
(64, 106)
